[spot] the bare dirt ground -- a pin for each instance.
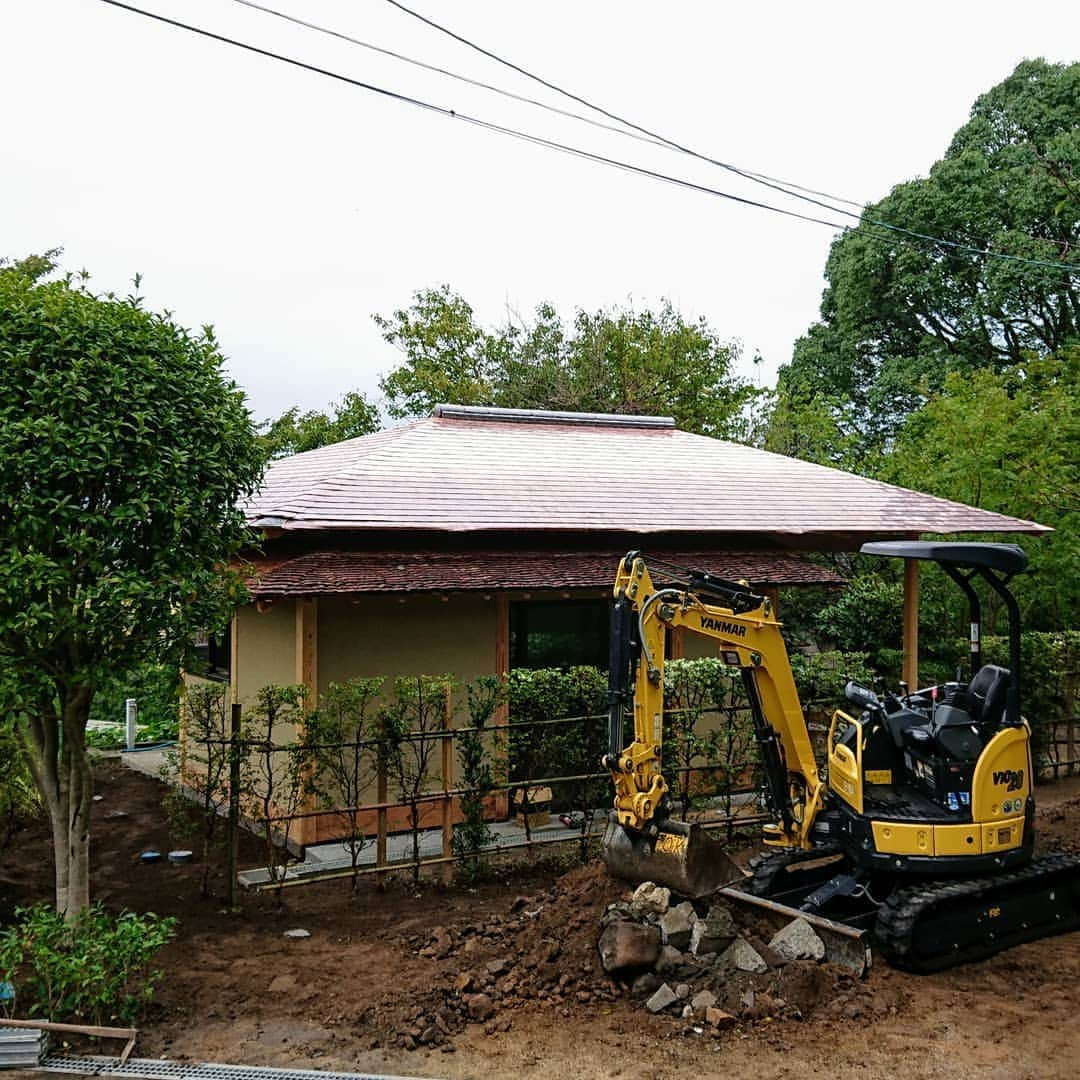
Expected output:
(388, 969)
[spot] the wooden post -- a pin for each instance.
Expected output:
(911, 623)
(448, 786)
(234, 660)
(676, 644)
(307, 674)
(773, 593)
(234, 801)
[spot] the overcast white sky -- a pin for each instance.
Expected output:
(286, 208)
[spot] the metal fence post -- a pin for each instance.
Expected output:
(447, 784)
(234, 800)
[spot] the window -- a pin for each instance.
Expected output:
(213, 655)
(559, 633)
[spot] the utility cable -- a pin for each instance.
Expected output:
(794, 191)
(536, 139)
(487, 125)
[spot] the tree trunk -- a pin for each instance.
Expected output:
(61, 769)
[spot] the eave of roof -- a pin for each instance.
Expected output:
(493, 470)
(322, 572)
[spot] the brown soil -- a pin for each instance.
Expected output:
(387, 969)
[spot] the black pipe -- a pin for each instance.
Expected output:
(1012, 700)
(620, 655)
(777, 794)
(975, 612)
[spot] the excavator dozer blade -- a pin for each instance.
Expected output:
(681, 856)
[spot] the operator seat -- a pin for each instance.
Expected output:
(986, 695)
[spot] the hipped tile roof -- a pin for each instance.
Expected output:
(526, 472)
(436, 571)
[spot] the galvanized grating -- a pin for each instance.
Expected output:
(155, 1069)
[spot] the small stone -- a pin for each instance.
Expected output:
(480, 1006)
(429, 1035)
(662, 999)
(798, 941)
(682, 991)
(626, 945)
(743, 956)
(650, 899)
(463, 981)
(645, 984)
(702, 1000)
(718, 1018)
(688, 1012)
(497, 967)
(676, 925)
(747, 999)
(282, 984)
(670, 958)
(297, 934)
(715, 932)
(408, 1042)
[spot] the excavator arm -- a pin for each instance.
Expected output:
(749, 637)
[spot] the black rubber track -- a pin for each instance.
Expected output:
(912, 916)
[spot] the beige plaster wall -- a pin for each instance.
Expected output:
(265, 647)
(368, 636)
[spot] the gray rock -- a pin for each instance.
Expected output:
(645, 984)
(662, 999)
(688, 1012)
(650, 899)
(702, 1000)
(715, 932)
(297, 933)
(798, 941)
(626, 945)
(682, 991)
(747, 999)
(676, 925)
(744, 957)
(670, 958)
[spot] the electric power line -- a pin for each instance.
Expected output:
(521, 98)
(454, 114)
(540, 141)
(787, 188)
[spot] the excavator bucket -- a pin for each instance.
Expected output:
(681, 856)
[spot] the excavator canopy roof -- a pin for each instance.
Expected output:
(1008, 558)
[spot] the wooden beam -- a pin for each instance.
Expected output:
(307, 674)
(911, 623)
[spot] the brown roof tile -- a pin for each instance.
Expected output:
(437, 571)
(465, 473)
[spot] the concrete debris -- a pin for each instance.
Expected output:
(626, 945)
(742, 956)
(297, 933)
(650, 899)
(645, 984)
(702, 1000)
(688, 1012)
(682, 991)
(677, 924)
(715, 932)
(662, 999)
(798, 941)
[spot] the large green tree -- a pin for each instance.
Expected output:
(899, 313)
(125, 452)
(621, 360)
(293, 432)
(1009, 441)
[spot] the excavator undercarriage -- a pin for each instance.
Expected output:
(916, 830)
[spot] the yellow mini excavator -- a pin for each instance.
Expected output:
(918, 825)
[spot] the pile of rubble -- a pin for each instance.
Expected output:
(586, 945)
(708, 963)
